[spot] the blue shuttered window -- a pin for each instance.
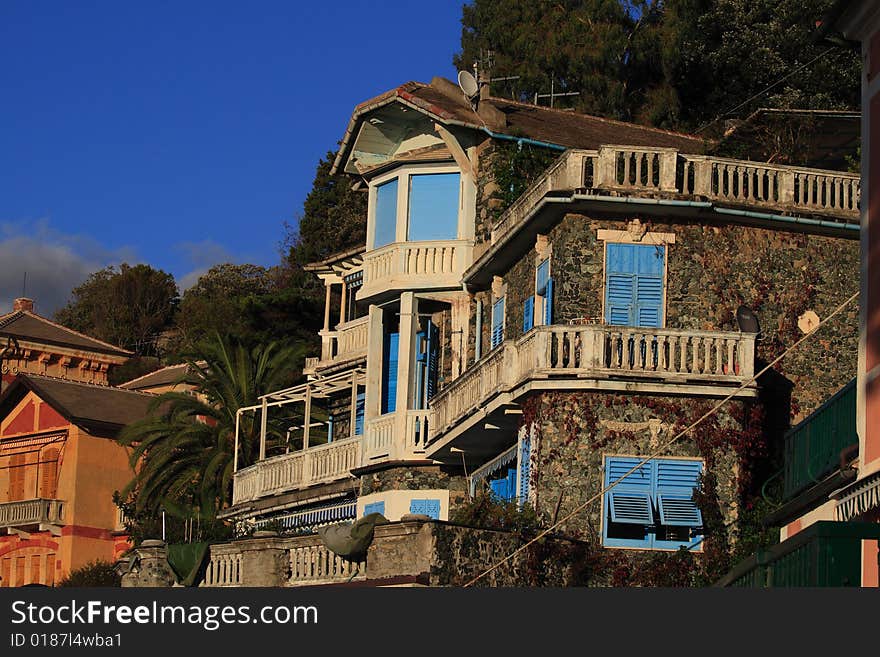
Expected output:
(430, 508)
(548, 303)
(653, 506)
(528, 314)
(359, 414)
(375, 507)
(525, 470)
(544, 290)
(634, 284)
(426, 365)
(330, 429)
(503, 488)
(498, 322)
(389, 373)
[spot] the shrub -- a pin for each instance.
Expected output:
(94, 573)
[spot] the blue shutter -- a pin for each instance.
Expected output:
(528, 314)
(541, 277)
(359, 414)
(329, 428)
(498, 322)
(420, 368)
(433, 349)
(629, 501)
(675, 485)
(525, 454)
(634, 284)
(375, 507)
(498, 489)
(389, 373)
(649, 285)
(548, 303)
(429, 508)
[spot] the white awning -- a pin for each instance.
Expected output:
(860, 497)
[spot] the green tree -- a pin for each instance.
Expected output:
(128, 306)
(183, 452)
(221, 302)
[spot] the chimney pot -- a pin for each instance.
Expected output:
(23, 303)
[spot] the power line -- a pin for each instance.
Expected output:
(762, 92)
(659, 450)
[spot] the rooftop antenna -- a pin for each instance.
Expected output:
(469, 85)
(24, 285)
(553, 94)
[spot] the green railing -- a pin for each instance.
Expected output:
(824, 554)
(812, 448)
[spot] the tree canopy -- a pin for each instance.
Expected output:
(672, 63)
(128, 306)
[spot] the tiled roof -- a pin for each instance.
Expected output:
(161, 377)
(91, 406)
(554, 126)
(25, 325)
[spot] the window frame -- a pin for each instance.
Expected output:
(403, 175)
(638, 490)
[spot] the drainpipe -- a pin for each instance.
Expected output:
(524, 140)
(789, 220)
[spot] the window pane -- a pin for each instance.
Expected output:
(433, 207)
(386, 213)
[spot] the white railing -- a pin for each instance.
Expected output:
(224, 566)
(309, 562)
(379, 438)
(348, 341)
(651, 171)
(31, 512)
(416, 264)
(777, 186)
(312, 563)
(287, 472)
(417, 427)
(598, 351)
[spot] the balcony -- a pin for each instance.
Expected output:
(287, 472)
(813, 448)
(415, 266)
(663, 172)
(31, 513)
(412, 425)
(346, 344)
(596, 357)
(824, 554)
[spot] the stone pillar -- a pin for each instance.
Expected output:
(148, 567)
(409, 326)
(264, 560)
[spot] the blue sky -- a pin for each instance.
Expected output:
(182, 134)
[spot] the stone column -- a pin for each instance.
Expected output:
(148, 567)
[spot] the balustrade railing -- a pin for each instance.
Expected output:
(426, 264)
(379, 438)
(639, 169)
(31, 512)
(598, 351)
(315, 465)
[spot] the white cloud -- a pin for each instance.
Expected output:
(202, 256)
(55, 263)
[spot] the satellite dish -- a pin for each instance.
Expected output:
(468, 84)
(748, 322)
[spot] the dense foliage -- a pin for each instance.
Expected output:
(672, 63)
(93, 574)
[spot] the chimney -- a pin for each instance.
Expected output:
(23, 303)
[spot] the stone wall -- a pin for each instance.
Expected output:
(416, 477)
(711, 271)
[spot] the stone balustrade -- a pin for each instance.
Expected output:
(31, 512)
(637, 170)
(581, 352)
(410, 265)
(347, 342)
(315, 465)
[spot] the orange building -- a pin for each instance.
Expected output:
(33, 344)
(59, 466)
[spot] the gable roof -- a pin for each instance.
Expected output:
(102, 409)
(162, 377)
(25, 325)
(555, 127)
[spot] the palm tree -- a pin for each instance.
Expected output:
(182, 453)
